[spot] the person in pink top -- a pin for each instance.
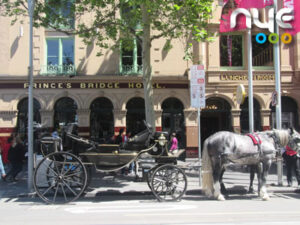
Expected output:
(174, 143)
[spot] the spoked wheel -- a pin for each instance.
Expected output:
(168, 183)
(149, 177)
(60, 178)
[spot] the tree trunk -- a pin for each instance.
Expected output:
(147, 73)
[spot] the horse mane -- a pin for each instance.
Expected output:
(282, 135)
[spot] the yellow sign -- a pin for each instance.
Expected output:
(240, 94)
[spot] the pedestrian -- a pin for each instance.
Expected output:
(5, 150)
(132, 166)
(16, 155)
(174, 143)
(2, 170)
(119, 139)
(292, 165)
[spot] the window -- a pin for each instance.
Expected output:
(60, 56)
(262, 54)
(131, 57)
(231, 50)
(61, 13)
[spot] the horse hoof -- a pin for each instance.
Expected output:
(220, 198)
(266, 198)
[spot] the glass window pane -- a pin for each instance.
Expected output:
(68, 51)
(262, 54)
(52, 52)
(231, 50)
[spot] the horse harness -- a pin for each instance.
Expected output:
(256, 141)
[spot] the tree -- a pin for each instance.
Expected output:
(143, 20)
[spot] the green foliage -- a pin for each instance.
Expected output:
(169, 19)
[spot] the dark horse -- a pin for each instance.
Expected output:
(223, 148)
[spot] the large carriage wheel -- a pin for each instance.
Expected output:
(168, 183)
(149, 176)
(60, 178)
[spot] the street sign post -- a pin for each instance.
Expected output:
(197, 89)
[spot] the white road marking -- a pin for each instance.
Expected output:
(125, 208)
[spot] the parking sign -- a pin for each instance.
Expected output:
(197, 86)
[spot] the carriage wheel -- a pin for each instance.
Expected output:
(168, 183)
(149, 176)
(60, 178)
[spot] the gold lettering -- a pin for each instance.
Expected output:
(52, 85)
(130, 85)
(82, 85)
(34, 85)
(60, 85)
(117, 85)
(26, 85)
(45, 85)
(90, 85)
(102, 85)
(69, 85)
(110, 85)
(157, 85)
(138, 85)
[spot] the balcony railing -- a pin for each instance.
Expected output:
(131, 70)
(56, 70)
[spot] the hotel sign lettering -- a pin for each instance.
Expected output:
(241, 77)
(90, 85)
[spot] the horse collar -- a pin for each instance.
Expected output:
(255, 138)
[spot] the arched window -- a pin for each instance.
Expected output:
(65, 111)
(22, 119)
(289, 113)
(216, 116)
(135, 115)
(101, 119)
(244, 118)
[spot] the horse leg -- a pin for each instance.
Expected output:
(263, 189)
(252, 175)
(217, 172)
(223, 188)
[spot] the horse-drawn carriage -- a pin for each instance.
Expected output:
(63, 175)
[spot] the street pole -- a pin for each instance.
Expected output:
(30, 98)
(199, 145)
(278, 89)
(250, 83)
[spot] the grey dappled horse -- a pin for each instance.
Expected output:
(223, 148)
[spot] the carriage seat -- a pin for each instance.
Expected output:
(139, 142)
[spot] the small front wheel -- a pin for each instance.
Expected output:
(168, 183)
(59, 178)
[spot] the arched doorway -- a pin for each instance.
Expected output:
(216, 116)
(173, 119)
(244, 118)
(101, 119)
(64, 111)
(289, 113)
(135, 115)
(22, 119)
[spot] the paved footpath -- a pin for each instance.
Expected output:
(120, 187)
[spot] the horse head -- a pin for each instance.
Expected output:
(294, 140)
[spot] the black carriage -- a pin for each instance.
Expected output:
(63, 175)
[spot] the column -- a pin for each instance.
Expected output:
(235, 118)
(119, 120)
(191, 123)
(158, 120)
(83, 116)
(47, 118)
(265, 119)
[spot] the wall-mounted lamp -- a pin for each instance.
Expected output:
(21, 31)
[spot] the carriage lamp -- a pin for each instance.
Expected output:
(162, 140)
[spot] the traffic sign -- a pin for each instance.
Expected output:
(197, 86)
(274, 101)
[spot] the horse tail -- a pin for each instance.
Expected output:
(207, 177)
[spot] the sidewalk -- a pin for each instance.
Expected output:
(103, 184)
